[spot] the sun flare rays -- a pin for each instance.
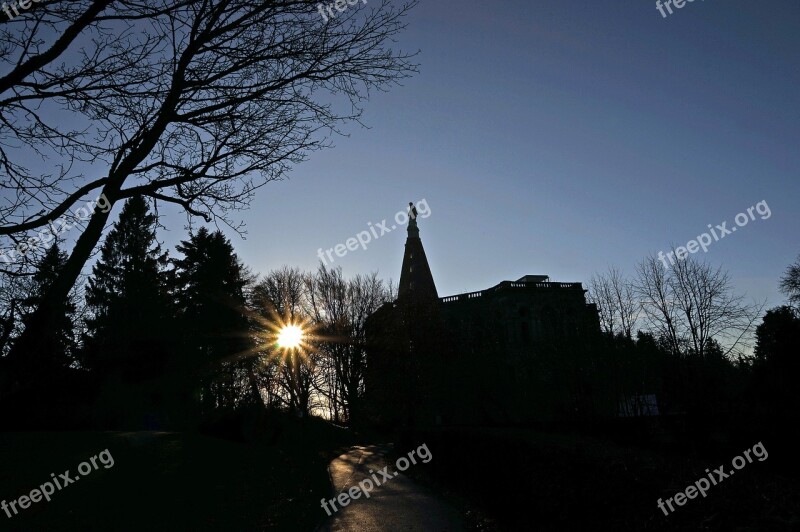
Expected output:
(286, 337)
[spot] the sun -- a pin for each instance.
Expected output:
(290, 337)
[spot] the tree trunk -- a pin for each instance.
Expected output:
(32, 342)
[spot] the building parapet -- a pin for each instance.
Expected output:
(513, 285)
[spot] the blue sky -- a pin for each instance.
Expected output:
(559, 138)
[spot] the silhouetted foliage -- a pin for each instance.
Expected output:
(790, 282)
(60, 341)
(196, 103)
(341, 307)
(777, 360)
(217, 347)
(693, 302)
(281, 299)
(130, 324)
(129, 330)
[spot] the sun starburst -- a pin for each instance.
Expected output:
(290, 337)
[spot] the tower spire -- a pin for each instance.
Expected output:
(416, 280)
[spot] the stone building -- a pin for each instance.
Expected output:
(510, 354)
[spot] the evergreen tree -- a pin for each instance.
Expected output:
(60, 338)
(129, 328)
(776, 371)
(211, 283)
(777, 341)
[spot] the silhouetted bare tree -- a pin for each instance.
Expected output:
(281, 295)
(196, 103)
(341, 308)
(616, 301)
(790, 282)
(691, 304)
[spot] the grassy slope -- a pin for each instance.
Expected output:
(515, 479)
(171, 481)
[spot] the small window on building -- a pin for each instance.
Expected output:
(525, 333)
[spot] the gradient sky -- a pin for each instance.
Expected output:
(559, 138)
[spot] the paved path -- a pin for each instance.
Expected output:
(397, 504)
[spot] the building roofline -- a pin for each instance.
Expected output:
(513, 285)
